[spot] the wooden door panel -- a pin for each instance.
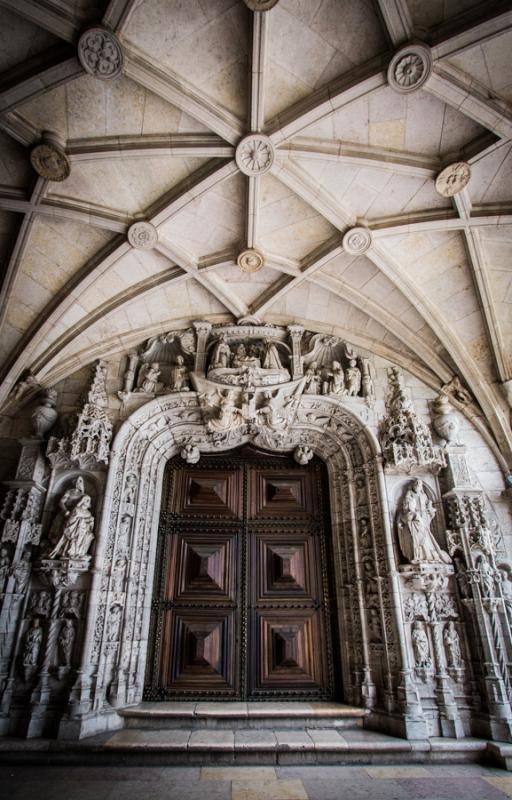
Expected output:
(208, 494)
(284, 567)
(198, 654)
(289, 652)
(203, 568)
(240, 605)
(275, 494)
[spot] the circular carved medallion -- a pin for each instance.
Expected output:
(261, 5)
(100, 53)
(410, 68)
(453, 179)
(142, 235)
(49, 158)
(254, 154)
(250, 260)
(357, 241)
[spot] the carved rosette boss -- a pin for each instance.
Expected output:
(453, 179)
(49, 158)
(357, 241)
(410, 68)
(100, 53)
(142, 235)
(254, 154)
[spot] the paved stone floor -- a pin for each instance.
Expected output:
(464, 782)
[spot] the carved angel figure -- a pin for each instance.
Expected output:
(33, 642)
(451, 642)
(228, 415)
(78, 532)
(416, 540)
(420, 647)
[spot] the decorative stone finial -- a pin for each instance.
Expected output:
(49, 158)
(453, 179)
(250, 260)
(410, 68)
(100, 53)
(357, 241)
(142, 235)
(254, 154)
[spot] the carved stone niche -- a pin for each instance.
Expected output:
(161, 365)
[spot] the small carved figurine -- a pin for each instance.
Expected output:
(452, 645)
(353, 378)
(66, 641)
(33, 642)
(179, 376)
(420, 647)
(5, 563)
(150, 379)
(21, 572)
(221, 355)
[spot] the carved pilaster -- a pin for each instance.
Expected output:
(296, 364)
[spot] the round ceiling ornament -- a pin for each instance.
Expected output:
(357, 241)
(254, 154)
(410, 68)
(453, 179)
(261, 5)
(250, 260)
(142, 235)
(49, 158)
(100, 53)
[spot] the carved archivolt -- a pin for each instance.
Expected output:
(115, 662)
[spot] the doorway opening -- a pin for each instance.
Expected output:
(244, 603)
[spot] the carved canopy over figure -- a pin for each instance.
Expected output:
(417, 542)
(78, 532)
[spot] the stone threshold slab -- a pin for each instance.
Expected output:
(243, 710)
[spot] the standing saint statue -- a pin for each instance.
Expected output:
(271, 358)
(78, 532)
(420, 647)
(451, 642)
(179, 376)
(66, 641)
(66, 504)
(221, 355)
(416, 540)
(32, 646)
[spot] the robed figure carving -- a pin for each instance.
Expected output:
(416, 540)
(78, 532)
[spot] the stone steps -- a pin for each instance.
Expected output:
(241, 716)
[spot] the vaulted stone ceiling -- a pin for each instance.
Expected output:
(426, 283)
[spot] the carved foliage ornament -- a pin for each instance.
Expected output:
(410, 68)
(357, 241)
(142, 235)
(254, 154)
(100, 53)
(453, 179)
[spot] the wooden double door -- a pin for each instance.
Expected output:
(243, 603)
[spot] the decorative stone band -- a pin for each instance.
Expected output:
(49, 158)
(100, 53)
(410, 68)
(357, 241)
(142, 235)
(254, 154)
(250, 260)
(261, 5)
(453, 179)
